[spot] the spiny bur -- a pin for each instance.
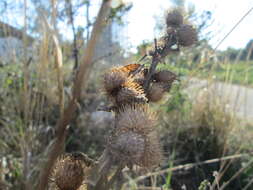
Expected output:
(121, 88)
(127, 147)
(134, 139)
(164, 76)
(187, 35)
(174, 18)
(68, 172)
(155, 92)
(113, 81)
(130, 93)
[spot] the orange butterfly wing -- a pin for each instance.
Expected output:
(130, 68)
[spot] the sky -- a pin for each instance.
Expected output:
(141, 20)
(226, 13)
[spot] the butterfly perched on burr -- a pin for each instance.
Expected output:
(130, 68)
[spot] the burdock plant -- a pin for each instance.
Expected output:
(133, 139)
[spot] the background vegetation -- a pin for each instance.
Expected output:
(207, 142)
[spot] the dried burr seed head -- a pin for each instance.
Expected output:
(134, 140)
(155, 92)
(136, 117)
(153, 153)
(117, 77)
(174, 18)
(164, 76)
(68, 172)
(113, 81)
(128, 147)
(187, 35)
(130, 93)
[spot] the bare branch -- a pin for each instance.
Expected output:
(188, 166)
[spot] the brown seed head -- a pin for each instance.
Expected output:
(130, 93)
(187, 35)
(134, 136)
(128, 147)
(155, 92)
(136, 117)
(164, 76)
(113, 81)
(153, 155)
(68, 173)
(174, 18)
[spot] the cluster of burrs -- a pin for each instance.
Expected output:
(178, 33)
(130, 88)
(133, 139)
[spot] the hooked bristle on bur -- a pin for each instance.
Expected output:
(174, 18)
(134, 140)
(153, 154)
(68, 172)
(187, 35)
(138, 117)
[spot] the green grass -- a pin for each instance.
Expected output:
(237, 73)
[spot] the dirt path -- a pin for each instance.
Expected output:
(239, 98)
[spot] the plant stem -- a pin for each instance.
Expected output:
(69, 112)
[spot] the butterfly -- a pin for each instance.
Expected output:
(130, 68)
